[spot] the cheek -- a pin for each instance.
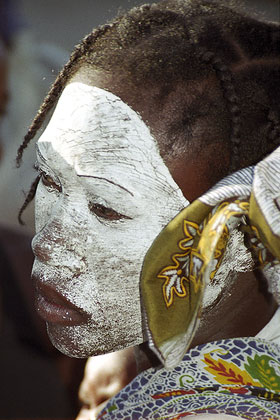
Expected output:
(103, 258)
(115, 255)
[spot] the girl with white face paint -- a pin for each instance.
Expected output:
(106, 193)
(152, 112)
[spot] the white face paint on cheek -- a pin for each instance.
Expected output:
(117, 194)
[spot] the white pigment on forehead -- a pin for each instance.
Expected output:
(92, 128)
(97, 134)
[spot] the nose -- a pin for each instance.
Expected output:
(61, 246)
(46, 241)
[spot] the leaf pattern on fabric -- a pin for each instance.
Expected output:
(188, 265)
(189, 389)
(176, 274)
(228, 373)
(261, 368)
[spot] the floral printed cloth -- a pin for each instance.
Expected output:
(238, 377)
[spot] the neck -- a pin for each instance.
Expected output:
(241, 311)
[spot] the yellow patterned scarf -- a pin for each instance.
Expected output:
(189, 251)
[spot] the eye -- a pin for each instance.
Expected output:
(106, 212)
(48, 181)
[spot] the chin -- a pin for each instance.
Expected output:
(83, 341)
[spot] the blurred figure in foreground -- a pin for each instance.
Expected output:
(104, 376)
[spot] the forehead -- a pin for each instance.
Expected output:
(95, 133)
(90, 119)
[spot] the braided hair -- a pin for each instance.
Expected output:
(210, 72)
(57, 88)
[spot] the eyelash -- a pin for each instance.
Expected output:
(105, 212)
(47, 180)
(99, 210)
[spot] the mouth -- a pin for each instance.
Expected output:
(53, 307)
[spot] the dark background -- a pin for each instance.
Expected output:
(65, 22)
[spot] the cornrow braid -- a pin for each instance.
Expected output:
(225, 77)
(49, 102)
(57, 87)
(28, 199)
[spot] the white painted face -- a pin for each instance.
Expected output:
(104, 195)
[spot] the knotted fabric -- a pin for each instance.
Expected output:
(188, 254)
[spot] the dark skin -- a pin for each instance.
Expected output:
(245, 307)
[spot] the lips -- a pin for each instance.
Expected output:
(53, 307)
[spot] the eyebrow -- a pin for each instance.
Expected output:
(87, 176)
(108, 180)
